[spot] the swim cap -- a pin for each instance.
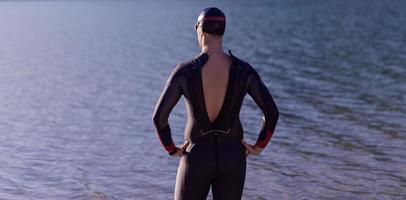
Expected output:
(212, 20)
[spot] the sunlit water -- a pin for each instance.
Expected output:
(79, 81)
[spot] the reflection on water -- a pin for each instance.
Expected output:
(79, 81)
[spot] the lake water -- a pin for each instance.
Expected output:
(79, 81)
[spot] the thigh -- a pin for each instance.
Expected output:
(229, 182)
(194, 176)
(229, 186)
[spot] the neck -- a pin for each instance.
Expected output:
(213, 47)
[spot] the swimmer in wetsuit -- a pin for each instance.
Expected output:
(213, 84)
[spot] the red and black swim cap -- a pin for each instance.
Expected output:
(212, 20)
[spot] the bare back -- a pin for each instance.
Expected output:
(215, 75)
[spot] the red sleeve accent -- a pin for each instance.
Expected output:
(263, 143)
(168, 148)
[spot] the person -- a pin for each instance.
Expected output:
(213, 84)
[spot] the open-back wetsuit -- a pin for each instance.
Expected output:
(215, 154)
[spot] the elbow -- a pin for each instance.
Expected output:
(272, 116)
(155, 119)
(274, 113)
(159, 119)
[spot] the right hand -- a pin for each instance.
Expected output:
(181, 149)
(251, 149)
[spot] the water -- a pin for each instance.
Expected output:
(79, 81)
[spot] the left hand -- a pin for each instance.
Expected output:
(251, 149)
(181, 149)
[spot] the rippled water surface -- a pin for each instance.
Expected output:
(79, 81)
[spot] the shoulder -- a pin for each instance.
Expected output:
(180, 69)
(245, 66)
(189, 65)
(183, 68)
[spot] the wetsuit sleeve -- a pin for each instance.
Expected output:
(260, 93)
(167, 100)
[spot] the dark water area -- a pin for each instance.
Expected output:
(79, 81)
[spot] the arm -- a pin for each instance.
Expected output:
(259, 92)
(168, 99)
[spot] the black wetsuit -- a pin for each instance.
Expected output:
(215, 154)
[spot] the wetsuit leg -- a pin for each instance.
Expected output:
(195, 174)
(229, 181)
(228, 187)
